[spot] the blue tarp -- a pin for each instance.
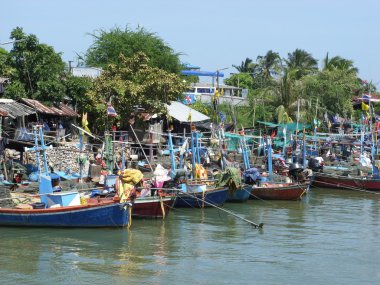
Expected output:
(202, 73)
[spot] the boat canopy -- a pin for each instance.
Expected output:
(290, 127)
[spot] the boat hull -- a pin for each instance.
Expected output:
(284, 192)
(214, 197)
(239, 195)
(92, 215)
(152, 207)
(334, 181)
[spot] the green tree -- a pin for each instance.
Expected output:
(4, 68)
(334, 90)
(246, 66)
(76, 90)
(302, 63)
(242, 80)
(108, 45)
(37, 69)
(132, 84)
(269, 65)
(339, 63)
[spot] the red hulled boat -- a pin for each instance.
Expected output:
(152, 206)
(283, 191)
(346, 182)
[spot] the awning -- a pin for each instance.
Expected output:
(183, 113)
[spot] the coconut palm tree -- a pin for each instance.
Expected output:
(269, 65)
(302, 63)
(246, 66)
(339, 63)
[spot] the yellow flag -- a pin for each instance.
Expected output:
(365, 107)
(85, 123)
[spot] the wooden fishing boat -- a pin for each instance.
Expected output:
(241, 194)
(63, 209)
(152, 206)
(96, 213)
(277, 191)
(199, 196)
(329, 180)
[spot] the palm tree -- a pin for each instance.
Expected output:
(269, 65)
(339, 63)
(247, 66)
(302, 62)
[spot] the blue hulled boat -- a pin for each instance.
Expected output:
(199, 196)
(63, 209)
(94, 214)
(241, 194)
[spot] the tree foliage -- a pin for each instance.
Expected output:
(301, 63)
(35, 69)
(133, 84)
(334, 90)
(279, 87)
(76, 90)
(339, 63)
(108, 45)
(4, 69)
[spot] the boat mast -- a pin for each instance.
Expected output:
(270, 166)
(171, 152)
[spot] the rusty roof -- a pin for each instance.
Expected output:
(58, 111)
(67, 110)
(39, 107)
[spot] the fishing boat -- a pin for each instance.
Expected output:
(95, 213)
(243, 191)
(200, 196)
(330, 180)
(270, 190)
(280, 191)
(241, 194)
(63, 209)
(152, 206)
(199, 191)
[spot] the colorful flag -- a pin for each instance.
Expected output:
(365, 107)
(111, 110)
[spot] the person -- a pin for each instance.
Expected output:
(45, 126)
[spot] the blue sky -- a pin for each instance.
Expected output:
(211, 34)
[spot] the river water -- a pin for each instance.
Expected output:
(330, 237)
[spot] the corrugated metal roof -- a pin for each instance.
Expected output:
(67, 110)
(184, 113)
(58, 111)
(15, 109)
(39, 107)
